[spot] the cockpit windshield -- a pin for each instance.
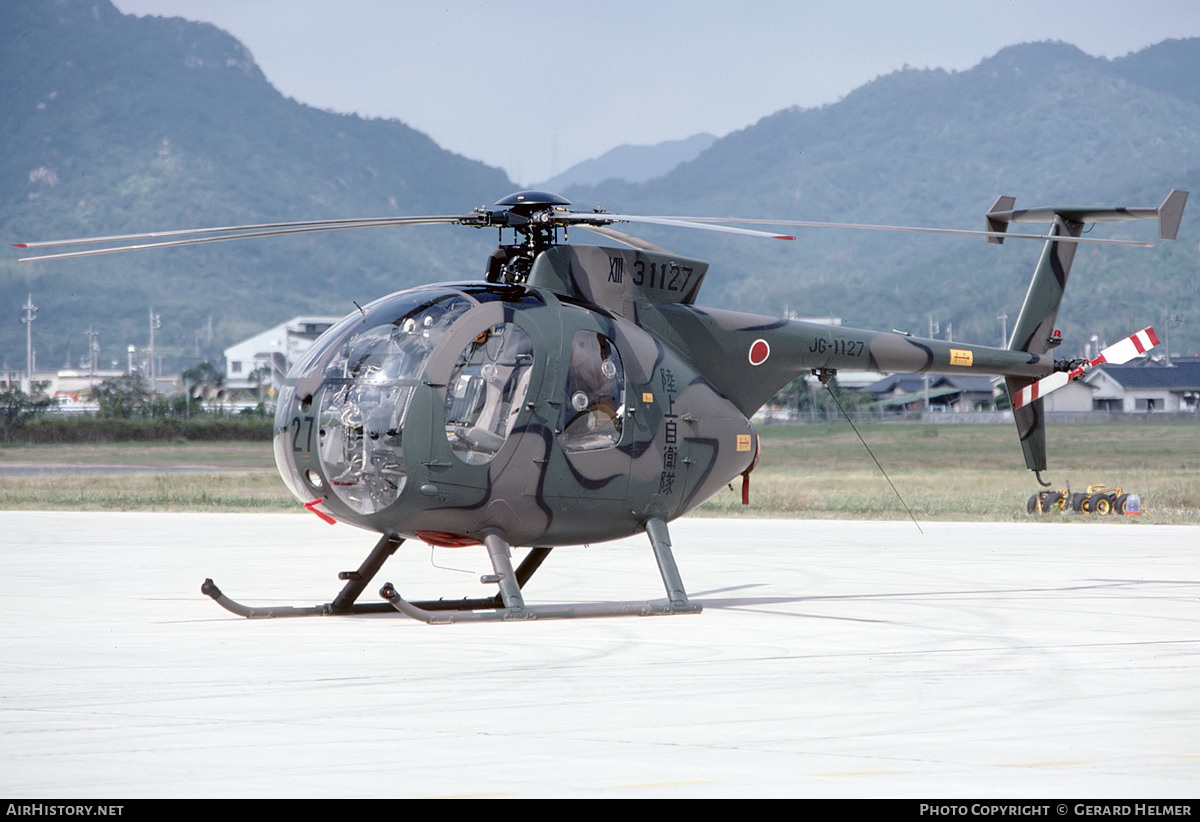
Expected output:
(360, 377)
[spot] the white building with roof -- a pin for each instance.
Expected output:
(276, 350)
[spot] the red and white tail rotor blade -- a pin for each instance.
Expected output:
(1122, 352)
(1040, 389)
(1118, 353)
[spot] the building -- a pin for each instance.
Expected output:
(1145, 385)
(946, 392)
(1075, 396)
(267, 357)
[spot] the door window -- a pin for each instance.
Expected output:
(486, 390)
(593, 410)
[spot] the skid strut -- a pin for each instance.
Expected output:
(508, 604)
(512, 604)
(344, 603)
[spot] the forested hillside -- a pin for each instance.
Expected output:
(114, 124)
(1043, 122)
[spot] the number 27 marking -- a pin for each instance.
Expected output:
(296, 426)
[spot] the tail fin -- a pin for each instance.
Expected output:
(1033, 333)
(1034, 329)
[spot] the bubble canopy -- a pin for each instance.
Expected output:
(340, 418)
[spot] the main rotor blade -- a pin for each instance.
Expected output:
(195, 236)
(603, 218)
(480, 218)
(919, 229)
(623, 238)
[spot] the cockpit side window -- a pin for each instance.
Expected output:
(593, 410)
(486, 390)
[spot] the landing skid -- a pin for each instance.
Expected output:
(508, 604)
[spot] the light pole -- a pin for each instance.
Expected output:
(1172, 320)
(93, 352)
(154, 323)
(30, 316)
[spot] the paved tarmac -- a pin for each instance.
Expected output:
(844, 659)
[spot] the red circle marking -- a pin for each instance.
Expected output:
(759, 351)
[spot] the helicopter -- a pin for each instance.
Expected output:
(577, 394)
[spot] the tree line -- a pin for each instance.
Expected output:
(128, 410)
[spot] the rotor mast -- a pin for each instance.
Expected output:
(529, 214)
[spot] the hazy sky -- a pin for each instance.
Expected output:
(534, 87)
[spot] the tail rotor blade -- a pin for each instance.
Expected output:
(1118, 353)
(1122, 352)
(1040, 389)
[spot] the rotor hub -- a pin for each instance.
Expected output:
(528, 203)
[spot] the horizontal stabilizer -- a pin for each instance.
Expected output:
(1168, 214)
(1116, 354)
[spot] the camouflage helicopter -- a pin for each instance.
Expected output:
(577, 394)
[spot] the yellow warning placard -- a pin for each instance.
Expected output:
(743, 442)
(960, 356)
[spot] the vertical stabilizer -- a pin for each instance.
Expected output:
(1034, 333)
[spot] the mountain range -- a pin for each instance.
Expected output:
(631, 164)
(115, 124)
